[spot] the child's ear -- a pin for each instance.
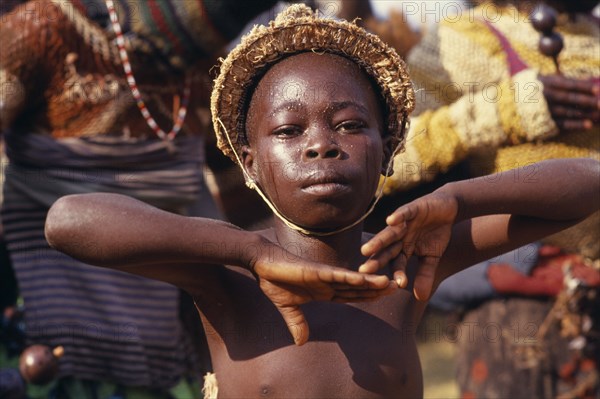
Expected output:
(388, 151)
(248, 161)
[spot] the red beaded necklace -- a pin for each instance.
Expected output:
(182, 111)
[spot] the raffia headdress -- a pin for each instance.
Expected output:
(295, 30)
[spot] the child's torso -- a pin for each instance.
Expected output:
(354, 350)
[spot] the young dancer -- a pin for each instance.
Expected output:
(313, 110)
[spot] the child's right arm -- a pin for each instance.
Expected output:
(122, 233)
(119, 232)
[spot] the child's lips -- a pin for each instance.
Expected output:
(326, 189)
(326, 184)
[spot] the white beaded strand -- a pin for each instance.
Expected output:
(181, 113)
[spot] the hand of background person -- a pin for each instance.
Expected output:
(422, 228)
(546, 279)
(289, 281)
(573, 103)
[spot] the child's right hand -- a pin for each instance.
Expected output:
(289, 281)
(573, 103)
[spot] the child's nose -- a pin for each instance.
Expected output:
(323, 147)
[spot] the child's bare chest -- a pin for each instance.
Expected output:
(354, 350)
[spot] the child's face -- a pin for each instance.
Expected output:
(315, 146)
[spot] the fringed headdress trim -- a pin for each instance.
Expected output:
(295, 30)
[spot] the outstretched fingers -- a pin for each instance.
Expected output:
(402, 215)
(333, 276)
(574, 124)
(384, 239)
(559, 82)
(396, 231)
(296, 323)
(399, 270)
(353, 295)
(425, 277)
(381, 258)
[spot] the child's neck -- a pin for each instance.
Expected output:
(340, 250)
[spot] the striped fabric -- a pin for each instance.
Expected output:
(105, 320)
(114, 326)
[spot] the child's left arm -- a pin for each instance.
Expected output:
(465, 222)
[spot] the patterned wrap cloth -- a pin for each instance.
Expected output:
(71, 126)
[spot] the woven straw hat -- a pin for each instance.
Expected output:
(295, 30)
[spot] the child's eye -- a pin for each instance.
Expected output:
(350, 126)
(287, 131)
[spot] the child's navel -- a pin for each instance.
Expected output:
(265, 391)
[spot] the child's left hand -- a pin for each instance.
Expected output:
(423, 228)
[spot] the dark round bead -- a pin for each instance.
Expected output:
(543, 18)
(551, 45)
(38, 365)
